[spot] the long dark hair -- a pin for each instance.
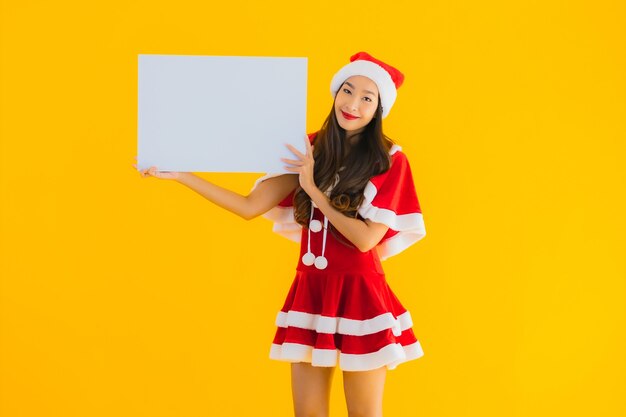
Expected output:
(354, 164)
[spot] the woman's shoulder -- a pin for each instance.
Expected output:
(398, 170)
(396, 151)
(398, 158)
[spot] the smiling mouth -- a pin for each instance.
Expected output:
(348, 116)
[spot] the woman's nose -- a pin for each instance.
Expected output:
(354, 103)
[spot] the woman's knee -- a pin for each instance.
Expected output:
(358, 411)
(311, 413)
(365, 409)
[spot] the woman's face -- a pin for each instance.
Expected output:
(356, 103)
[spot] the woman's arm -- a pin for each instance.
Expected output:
(363, 234)
(265, 196)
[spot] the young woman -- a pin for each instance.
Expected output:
(351, 204)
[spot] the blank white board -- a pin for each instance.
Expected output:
(219, 113)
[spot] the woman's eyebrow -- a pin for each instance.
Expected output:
(366, 91)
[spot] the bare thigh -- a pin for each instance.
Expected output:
(310, 386)
(364, 392)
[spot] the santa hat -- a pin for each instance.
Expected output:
(387, 78)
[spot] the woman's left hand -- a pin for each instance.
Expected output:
(303, 165)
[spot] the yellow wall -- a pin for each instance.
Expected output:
(123, 296)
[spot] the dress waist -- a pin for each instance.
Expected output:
(341, 255)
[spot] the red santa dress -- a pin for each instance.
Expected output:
(345, 313)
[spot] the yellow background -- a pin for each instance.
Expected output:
(124, 296)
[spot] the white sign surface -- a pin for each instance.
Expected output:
(219, 113)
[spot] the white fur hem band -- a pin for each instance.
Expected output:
(390, 356)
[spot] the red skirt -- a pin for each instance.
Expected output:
(345, 314)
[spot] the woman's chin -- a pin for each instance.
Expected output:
(348, 128)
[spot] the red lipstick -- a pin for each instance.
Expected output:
(348, 116)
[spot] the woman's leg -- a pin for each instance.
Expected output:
(310, 386)
(364, 392)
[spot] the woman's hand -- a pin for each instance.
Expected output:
(154, 172)
(304, 165)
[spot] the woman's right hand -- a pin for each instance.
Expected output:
(154, 172)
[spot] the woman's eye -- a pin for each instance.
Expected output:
(367, 99)
(345, 90)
